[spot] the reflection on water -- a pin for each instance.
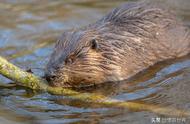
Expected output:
(28, 30)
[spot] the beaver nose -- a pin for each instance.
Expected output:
(50, 76)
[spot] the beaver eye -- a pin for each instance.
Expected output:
(69, 61)
(94, 44)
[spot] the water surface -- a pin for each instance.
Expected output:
(28, 31)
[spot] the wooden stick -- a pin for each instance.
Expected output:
(36, 83)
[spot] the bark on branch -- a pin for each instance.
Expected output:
(36, 83)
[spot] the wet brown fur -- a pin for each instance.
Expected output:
(129, 39)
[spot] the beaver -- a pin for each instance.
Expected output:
(126, 41)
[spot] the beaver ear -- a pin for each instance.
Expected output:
(94, 44)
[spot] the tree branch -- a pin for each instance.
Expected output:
(36, 83)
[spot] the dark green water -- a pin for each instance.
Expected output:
(28, 31)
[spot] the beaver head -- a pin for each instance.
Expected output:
(81, 58)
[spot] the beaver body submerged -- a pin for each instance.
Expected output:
(126, 41)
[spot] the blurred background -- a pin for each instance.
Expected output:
(28, 31)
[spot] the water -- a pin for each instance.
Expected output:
(28, 31)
